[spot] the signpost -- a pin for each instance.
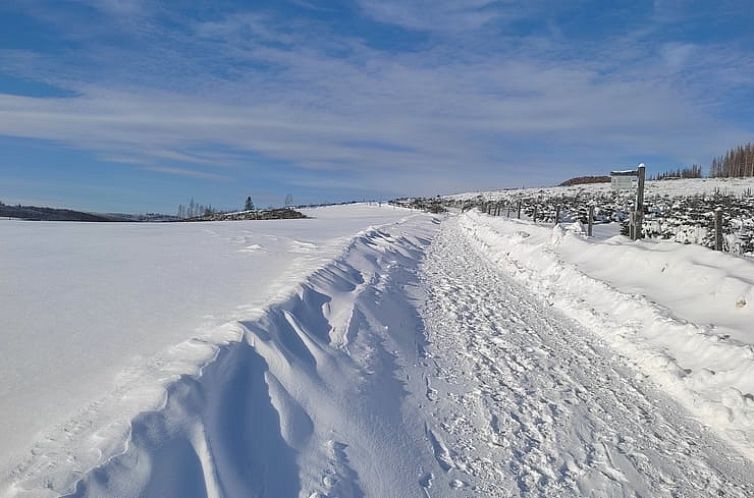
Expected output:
(621, 183)
(624, 180)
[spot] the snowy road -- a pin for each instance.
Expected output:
(531, 404)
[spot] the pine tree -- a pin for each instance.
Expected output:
(249, 204)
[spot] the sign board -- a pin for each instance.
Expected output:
(622, 182)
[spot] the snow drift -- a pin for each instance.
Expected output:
(295, 400)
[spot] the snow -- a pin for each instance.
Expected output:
(90, 310)
(534, 404)
(371, 352)
(661, 188)
(682, 314)
(681, 210)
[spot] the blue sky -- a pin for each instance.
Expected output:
(136, 105)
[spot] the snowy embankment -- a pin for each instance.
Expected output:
(682, 314)
(141, 339)
(659, 188)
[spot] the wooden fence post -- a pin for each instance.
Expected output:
(557, 214)
(519, 209)
(591, 220)
(719, 229)
(631, 224)
(534, 215)
(639, 212)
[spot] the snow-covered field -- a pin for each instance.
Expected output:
(371, 352)
(94, 316)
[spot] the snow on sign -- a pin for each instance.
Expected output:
(622, 182)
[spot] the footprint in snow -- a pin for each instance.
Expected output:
(302, 246)
(251, 248)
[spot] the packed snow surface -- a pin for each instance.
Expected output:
(372, 352)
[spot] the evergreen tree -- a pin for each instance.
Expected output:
(249, 204)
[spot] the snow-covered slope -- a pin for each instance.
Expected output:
(96, 315)
(679, 210)
(298, 401)
(662, 188)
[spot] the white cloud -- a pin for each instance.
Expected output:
(185, 172)
(117, 7)
(437, 118)
(450, 15)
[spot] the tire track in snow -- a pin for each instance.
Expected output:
(530, 404)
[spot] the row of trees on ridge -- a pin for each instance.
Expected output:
(736, 162)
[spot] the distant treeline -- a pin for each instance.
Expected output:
(194, 209)
(695, 171)
(585, 180)
(51, 214)
(736, 162)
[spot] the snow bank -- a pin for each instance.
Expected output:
(265, 405)
(682, 314)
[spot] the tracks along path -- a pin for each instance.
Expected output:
(527, 403)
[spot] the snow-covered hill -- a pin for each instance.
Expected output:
(653, 189)
(678, 210)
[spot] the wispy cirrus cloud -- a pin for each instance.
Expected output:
(438, 114)
(451, 15)
(186, 172)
